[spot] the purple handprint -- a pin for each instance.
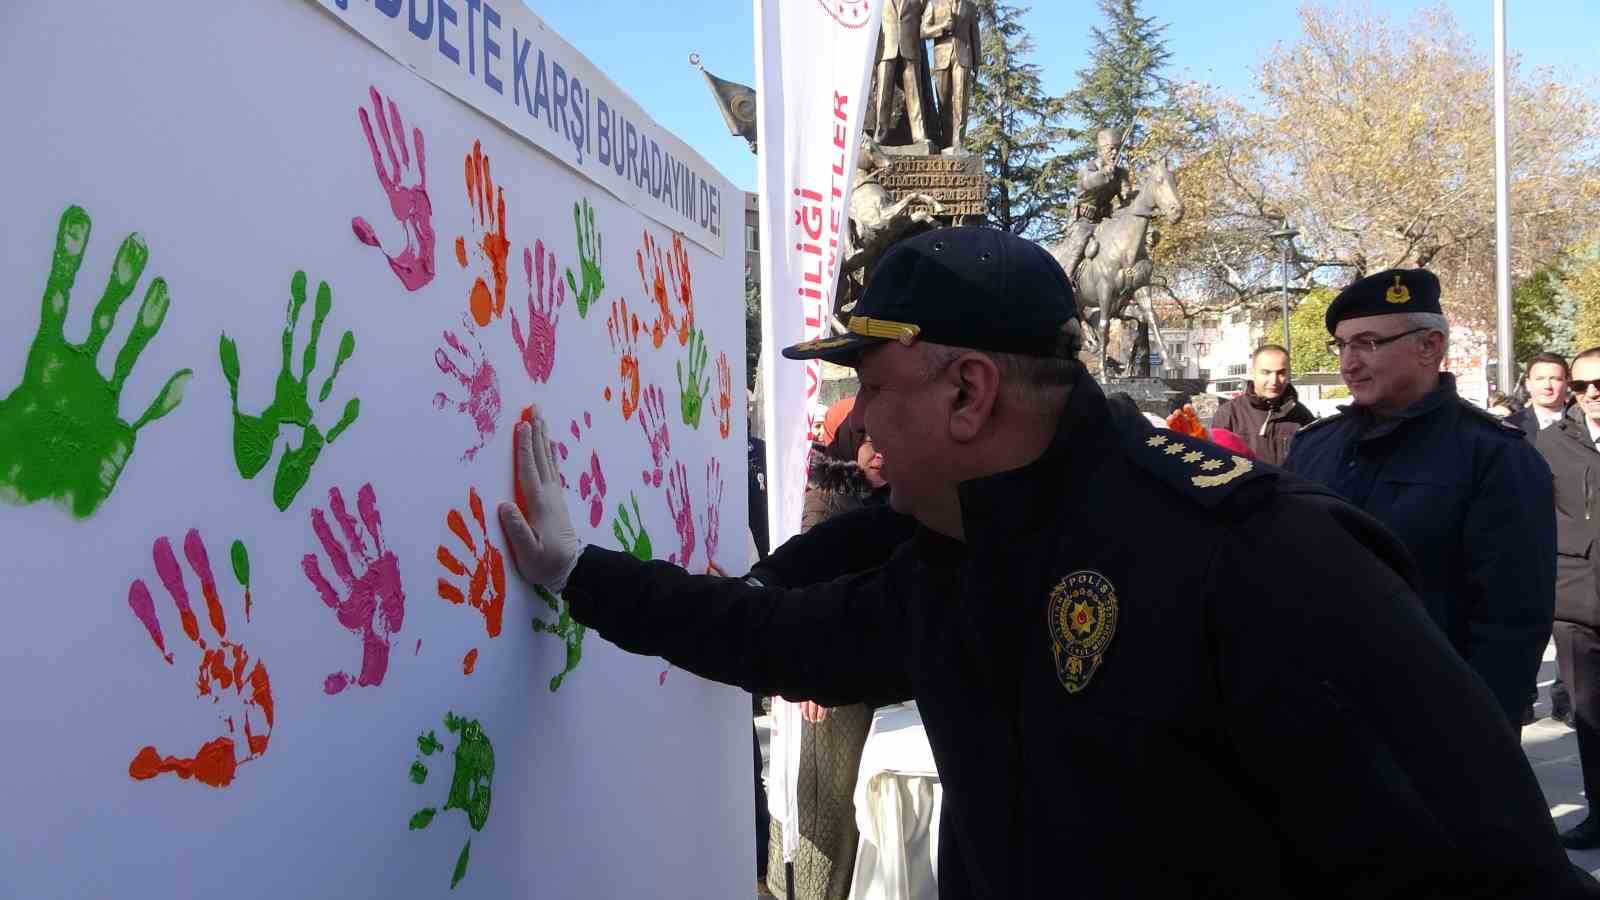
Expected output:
(592, 483)
(545, 300)
(482, 403)
(653, 419)
(410, 204)
(375, 603)
(712, 523)
(682, 514)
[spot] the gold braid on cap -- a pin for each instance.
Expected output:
(883, 328)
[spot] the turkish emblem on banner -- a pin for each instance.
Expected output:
(849, 13)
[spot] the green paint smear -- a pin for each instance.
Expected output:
(470, 783)
(61, 437)
(589, 252)
(691, 396)
(254, 437)
(241, 562)
(568, 629)
(428, 744)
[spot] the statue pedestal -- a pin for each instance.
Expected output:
(957, 181)
(1151, 395)
(915, 148)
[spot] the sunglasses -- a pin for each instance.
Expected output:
(1581, 386)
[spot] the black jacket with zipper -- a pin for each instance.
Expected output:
(1266, 426)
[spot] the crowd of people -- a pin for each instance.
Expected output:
(1295, 659)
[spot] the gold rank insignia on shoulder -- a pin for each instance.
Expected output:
(1082, 618)
(1211, 471)
(1397, 292)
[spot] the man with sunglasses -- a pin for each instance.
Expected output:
(1569, 446)
(1466, 493)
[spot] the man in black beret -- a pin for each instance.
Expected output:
(1465, 492)
(1116, 637)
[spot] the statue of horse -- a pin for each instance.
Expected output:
(1117, 261)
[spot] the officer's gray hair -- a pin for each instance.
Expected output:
(1432, 322)
(1026, 376)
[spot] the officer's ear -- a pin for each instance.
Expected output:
(976, 379)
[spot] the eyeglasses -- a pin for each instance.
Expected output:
(1367, 345)
(1581, 386)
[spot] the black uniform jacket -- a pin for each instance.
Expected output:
(1575, 463)
(1472, 500)
(1152, 670)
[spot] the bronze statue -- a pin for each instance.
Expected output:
(1103, 187)
(953, 26)
(877, 218)
(1118, 263)
(902, 62)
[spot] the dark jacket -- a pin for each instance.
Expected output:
(1575, 465)
(1267, 426)
(1089, 697)
(1471, 499)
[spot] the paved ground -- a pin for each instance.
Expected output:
(1552, 749)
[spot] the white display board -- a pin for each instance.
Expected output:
(274, 303)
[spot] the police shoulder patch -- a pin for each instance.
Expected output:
(1199, 469)
(1082, 619)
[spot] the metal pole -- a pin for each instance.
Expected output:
(1502, 202)
(1285, 299)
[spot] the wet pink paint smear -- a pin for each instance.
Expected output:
(374, 606)
(143, 607)
(419, 647)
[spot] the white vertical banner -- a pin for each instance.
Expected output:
(813, 71)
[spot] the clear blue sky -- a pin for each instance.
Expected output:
(644, 48)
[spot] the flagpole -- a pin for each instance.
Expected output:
(1502, 203)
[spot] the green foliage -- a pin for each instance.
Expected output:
(752, 329)
(1535, 306)
(1308, 337)
(1580, 287)
(1019, 131)
(1123, 82)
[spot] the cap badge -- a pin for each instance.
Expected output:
(1397, 292)
(1082, 618)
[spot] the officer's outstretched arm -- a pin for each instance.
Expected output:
(1384, 761)
(835, 643)
(855, 541)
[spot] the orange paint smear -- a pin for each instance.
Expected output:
(213, 765)
(470, 662)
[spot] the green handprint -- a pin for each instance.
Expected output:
(469, 785)
(589, 247)
(60, 434)
(634, 539)
(255, 436)
(692, 397)
(565, 627)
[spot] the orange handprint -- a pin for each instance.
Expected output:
(682, 281)
(493, 246)
(724, 408)
(486, 581)
(223, 667)
(655, 288)
(624, 330)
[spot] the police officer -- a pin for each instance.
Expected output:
(1465, 492)
(1115, 638)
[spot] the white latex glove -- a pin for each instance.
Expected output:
(544, 546)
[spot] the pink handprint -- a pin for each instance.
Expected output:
(374, 605)
(592, 483)
(477, 376)
(712, 523)
(539, 350)
(682, 514)
(410, 205)
(653, 419)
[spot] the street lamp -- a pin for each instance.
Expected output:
(1285, 236)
